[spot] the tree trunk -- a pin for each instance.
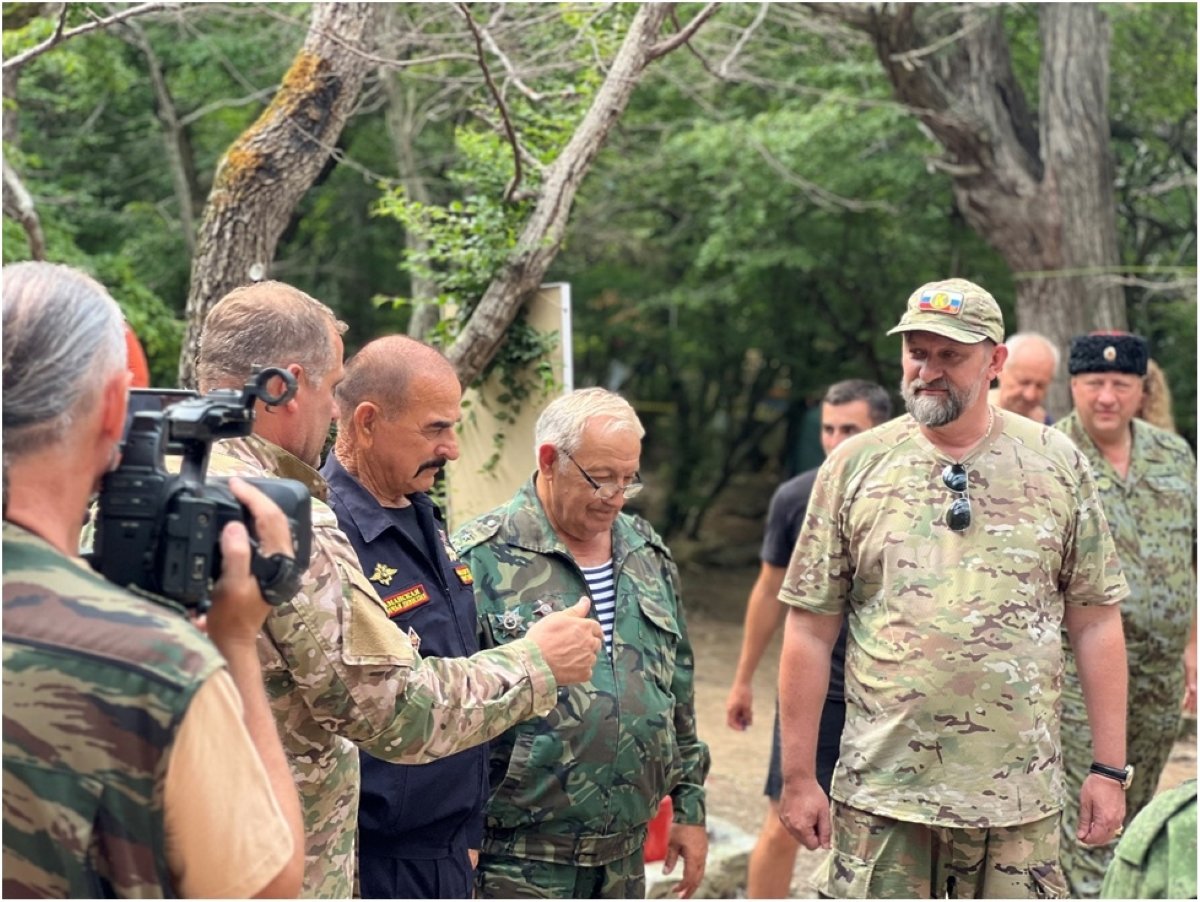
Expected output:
(543, 233)
(1039, 191)
(268, 169)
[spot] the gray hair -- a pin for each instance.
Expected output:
(64, 336)
(266, 324)
(879, 402)
(1014, 341)
(562, 423)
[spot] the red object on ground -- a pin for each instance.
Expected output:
(660, 827)
(137, 360)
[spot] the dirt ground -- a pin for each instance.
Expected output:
(715, 602)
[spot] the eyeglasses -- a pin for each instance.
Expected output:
(609, 490)
(958, 517)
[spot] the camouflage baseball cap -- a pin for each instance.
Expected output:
(954, 308)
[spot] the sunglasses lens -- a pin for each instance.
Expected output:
(954, 476)
(958, 517)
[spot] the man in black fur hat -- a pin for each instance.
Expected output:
(1147, 483)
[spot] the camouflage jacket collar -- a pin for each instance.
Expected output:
(257, 451)
(1146, 451)
(525, 525)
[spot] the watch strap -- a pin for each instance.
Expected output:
(1120, 774)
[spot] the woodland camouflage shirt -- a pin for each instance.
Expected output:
(1152, 515)
(579, 784)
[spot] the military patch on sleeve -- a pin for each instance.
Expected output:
(948, 302)
(406, 600)
(463, 572)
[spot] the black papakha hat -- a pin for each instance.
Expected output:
(1108, 352)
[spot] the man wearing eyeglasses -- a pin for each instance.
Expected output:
(573, 792)
(957, 541)
(1147, 482)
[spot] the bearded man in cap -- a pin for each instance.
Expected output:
(1147, 482)
(957, 541)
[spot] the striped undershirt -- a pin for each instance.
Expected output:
(604, 602)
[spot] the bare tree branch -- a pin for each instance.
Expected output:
(822, 197)
(507, 63)
(18, 205)
(518, 173)
(175, 138)
(662, 48)
(60, 35)
(735, 51)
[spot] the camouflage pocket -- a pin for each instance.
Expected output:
(660, 634)
(843, 876)
(530, 778)
(1049, 882)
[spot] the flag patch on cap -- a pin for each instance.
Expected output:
(949, 302)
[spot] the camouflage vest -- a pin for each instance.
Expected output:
(96, 682)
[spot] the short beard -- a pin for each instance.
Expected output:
(932, 411)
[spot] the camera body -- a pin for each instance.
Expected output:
(160, 531)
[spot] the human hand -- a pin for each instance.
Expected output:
(689, 842)
(739, 707)
(1101, 810)
(569, 641)
(238, 609)
(804, 811)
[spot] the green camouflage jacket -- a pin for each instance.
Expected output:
(96, 683)
(1152, 515)
(953, 666)
(581, 783)
(340, 675)
(1156, 858)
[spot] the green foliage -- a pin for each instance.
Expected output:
(739, 244)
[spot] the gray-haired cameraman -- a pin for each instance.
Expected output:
(139, 760)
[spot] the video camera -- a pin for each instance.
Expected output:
(160, 531)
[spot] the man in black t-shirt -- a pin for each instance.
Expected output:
(848, 408)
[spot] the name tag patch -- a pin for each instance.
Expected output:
(948, 302)
(463, 572)
(406, 599)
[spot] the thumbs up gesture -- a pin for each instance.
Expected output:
(569, 641)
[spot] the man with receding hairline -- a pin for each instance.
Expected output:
(338, 674)
(418, 827)
(1026, 376)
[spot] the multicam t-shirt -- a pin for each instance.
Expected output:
(954, 667)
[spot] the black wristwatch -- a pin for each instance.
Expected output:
(1123, 775)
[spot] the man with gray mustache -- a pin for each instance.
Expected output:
(419, 827)
(956, 541)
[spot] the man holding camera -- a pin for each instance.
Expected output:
(338, 672)
(137, 761)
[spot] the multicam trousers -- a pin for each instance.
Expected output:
(509, 877)
(875, 857)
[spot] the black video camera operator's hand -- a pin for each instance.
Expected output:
(238, 608)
